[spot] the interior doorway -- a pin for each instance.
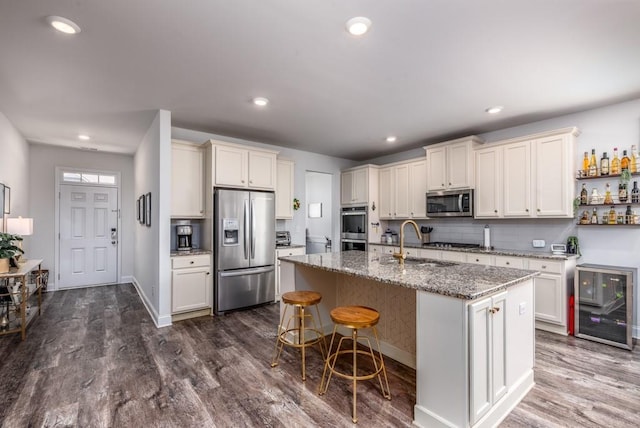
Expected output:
(319, 224)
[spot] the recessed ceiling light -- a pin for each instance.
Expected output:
(63, 25)
(84, 137)
(392, 139)
(494, 110)
(358, 25)
(260, 101)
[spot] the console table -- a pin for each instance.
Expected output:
(20, 296)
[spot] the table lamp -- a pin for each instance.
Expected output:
(20, 226)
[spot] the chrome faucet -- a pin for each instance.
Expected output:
(401, 255)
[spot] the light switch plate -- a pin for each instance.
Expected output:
(538, 243)
(522, 308)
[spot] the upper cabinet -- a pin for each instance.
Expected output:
(243, 167)
(526, 177)
(187, 176)
(402, 190)
(284, 189)
(359, 185)
(450, 165)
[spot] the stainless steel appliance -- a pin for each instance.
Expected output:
(283, 238)
(450, 203)
(244, 234)
(354, 228)
(185, 237)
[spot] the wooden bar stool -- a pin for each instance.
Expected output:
(298, 327)
(355, 318)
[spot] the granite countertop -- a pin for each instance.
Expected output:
(190, 253)
(460, 280)
(493, 251)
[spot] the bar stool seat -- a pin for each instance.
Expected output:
(297, 326)
(355, 318)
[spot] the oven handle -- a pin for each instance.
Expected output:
(460, 202)
(354, 213)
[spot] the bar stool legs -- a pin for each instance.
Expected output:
(297, 324)
(355, 318)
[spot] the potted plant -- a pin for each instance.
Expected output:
(8, 250)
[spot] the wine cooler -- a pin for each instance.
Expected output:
(604, 304)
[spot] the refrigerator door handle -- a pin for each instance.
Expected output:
(253, 229)
(246, 229)
(243, 272)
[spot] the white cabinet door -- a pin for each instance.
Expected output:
(488, 190)
(454, 256)
(487, 354)
(436, 168)
(262, 170)
(231, 166)
(386, 193)
(187, 176)
(346, 187)
(517, 180)
(548, 292)
(401, 193)
(418, 189)
(360, 186)
(284, 189)
(554, 181)
(480, 259)
(459, 166)
(191, 289)
(283, 252)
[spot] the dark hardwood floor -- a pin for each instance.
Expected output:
(95, 359)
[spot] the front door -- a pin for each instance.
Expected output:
(88, 236)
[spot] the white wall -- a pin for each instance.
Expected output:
(14, 172)
(304, 161)
(43, 162)
(152, 270)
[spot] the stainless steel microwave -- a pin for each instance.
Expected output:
(450, 203)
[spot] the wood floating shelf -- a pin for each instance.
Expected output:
(609, 225)
(617, 204)
(579, 177)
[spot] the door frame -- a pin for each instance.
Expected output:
(58, 182)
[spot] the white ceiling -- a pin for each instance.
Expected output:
(425, 72)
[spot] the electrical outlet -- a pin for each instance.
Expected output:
(538, 243)
(522, 307)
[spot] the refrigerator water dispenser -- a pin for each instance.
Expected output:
(230, 231)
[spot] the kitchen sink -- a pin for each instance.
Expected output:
(414, 261)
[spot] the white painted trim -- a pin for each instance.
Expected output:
(126, 279)
(56, 240)
(159, 322)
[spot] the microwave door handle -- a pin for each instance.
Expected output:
(460, 202)
(246, 230)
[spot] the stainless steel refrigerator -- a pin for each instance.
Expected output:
(244, 236)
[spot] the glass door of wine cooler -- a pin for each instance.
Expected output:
(604, 304)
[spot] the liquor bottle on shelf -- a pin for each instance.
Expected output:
(635, 194)
(612, 216)
(615, 162)
(625, 161)
(594, 216)
(628, 215)
(604, 164)
(633, 165)
(585, 164)
(607, 195)
(622, 192)
(593, 164)
(584, 195)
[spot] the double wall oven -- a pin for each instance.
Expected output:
(354, 228)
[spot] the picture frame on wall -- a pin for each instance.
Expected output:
(142, 209)
(147, 206)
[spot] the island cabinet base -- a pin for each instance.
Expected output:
(475, 358)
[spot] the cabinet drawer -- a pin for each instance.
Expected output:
(479, 259)
(454, 256)
(284, 252)
(182, 262)
(512, 262)
(549, 266)
(430, 254)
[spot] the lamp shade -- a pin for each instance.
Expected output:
(20, 226)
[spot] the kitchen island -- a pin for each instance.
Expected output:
(467, 329)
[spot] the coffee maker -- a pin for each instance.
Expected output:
(185, 233)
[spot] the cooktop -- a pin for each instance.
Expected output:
(450, 245)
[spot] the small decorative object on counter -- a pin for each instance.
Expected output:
(296, 204)
(573, 247)
(585, 165)
(615, 162)
(594, 216)
(607, 195)
(585, 218)
(633, 165)
(625, 161)
(628, 215)
(622, 192)
(604, 164)
(595, 198)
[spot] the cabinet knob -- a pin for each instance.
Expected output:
(543, 266)
(191, 262)
(494, 310)
(507, 263)
(442, 184)
(449, 184)
(208, 273)
(411, 214)
(241, 181)
(527, 210)
(538, 209)
(477, 260)
(495, 211)
(251, 181)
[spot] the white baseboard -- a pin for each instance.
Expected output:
(159, 322)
